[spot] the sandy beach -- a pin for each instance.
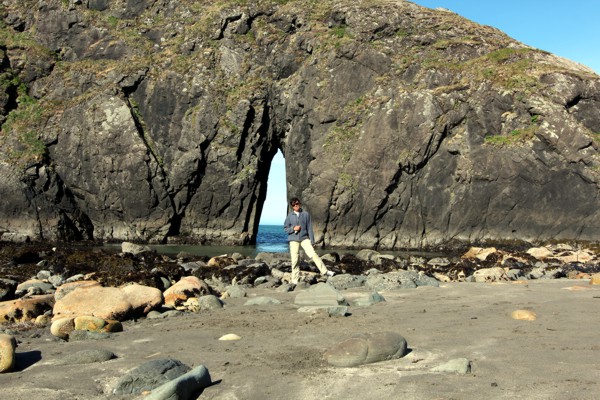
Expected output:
(279, 355)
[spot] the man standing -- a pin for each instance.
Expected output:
(298, 226)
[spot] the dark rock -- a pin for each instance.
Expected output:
(7, 289)
(87, 357)
(186, 386)
(149, 376)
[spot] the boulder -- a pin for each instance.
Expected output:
(26, 309)
(320, 294)
(89, 356)
(368, 300)
(149, 376)
(62, 327)
(495, 274)
(108, 303)
(143, 299)
(8, 344)
(135, 249)
(187, 287)
(69, 328)
(183, 387)
(221, 262)
(399, 280)
(540, 253)
(36, 286)
(479, 253)
(366, 348)
(98, 301)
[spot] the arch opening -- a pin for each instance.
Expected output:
(270, 236)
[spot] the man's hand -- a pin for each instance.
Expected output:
(297, 228)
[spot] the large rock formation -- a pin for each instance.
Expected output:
(401, 126)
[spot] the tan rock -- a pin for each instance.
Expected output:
(581, 256)
(133, 248)
(98, 301)
(441, 277)
(89, 323)
(595, 279)
(143, 299)
(42, 320)
(496, 274)
(192, 304)
(113, 326)
(221, 262)
(230, 336)
(578, 275)
(62, 327)
(523, 315)
(540, 253)
(187, 287)
(8, 344)
(26, 309)
(479, 253)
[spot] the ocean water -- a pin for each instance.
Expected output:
(270, 238)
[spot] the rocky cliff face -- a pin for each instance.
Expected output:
(401, 126)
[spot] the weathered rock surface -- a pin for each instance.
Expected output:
(401, 126)
(108, 303)
(187, 287)
(26, 309)
(366, 348)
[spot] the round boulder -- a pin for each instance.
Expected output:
(366, 348)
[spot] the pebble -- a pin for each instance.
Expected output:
(523, 315)
(457, 366)
(230, 336)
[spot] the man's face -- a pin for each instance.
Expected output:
(296, 206)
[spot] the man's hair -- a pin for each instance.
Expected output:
(294, 200)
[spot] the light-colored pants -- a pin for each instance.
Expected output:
(310, 252)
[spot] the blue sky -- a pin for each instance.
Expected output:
(569, 29)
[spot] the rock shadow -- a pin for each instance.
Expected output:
(26, 359)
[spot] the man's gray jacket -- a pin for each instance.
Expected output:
(306, 229)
